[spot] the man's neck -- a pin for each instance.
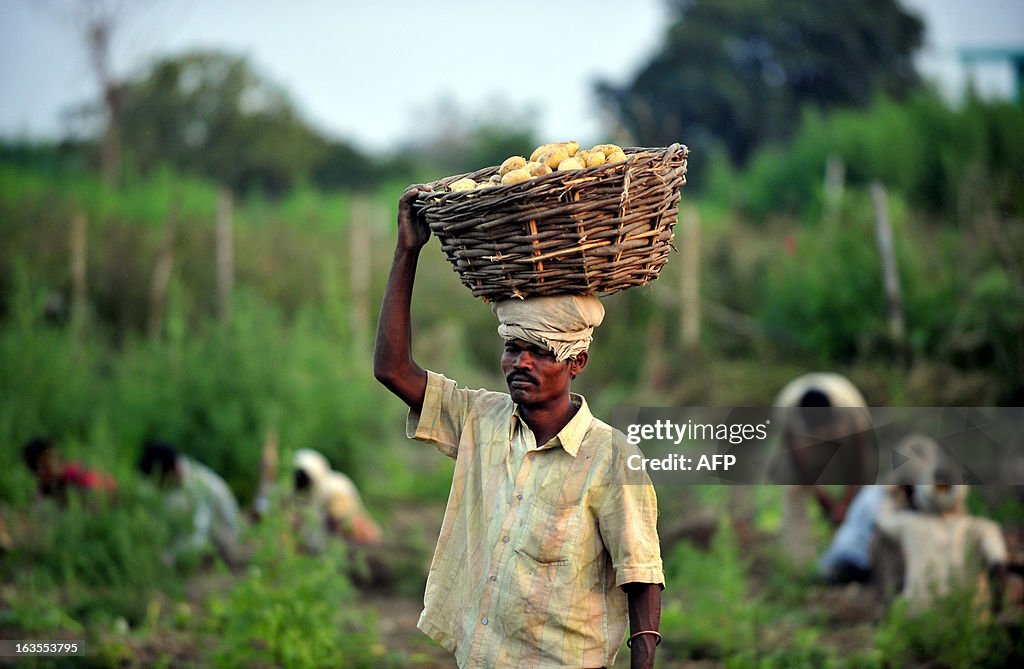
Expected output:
(545, 421)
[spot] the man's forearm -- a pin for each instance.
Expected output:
(394, 327)
(644, 616)
(393, 364)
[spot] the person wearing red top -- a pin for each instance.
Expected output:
(54, 477)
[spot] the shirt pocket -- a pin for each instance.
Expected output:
(549, 534)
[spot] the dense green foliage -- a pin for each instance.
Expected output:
(955, 197)
(959, 163)
(215, 395)
(210, 114)
(946, 636)
(713, 615)
(736, 73)
(293, 610)
(108, 557)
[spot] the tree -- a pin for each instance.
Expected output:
(210, 113)
(99, 21)
(736, 73)
(101, 24)
(343, 166)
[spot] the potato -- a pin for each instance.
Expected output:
(552, 157)
(608, 149)
(545, 159)
(543, 148)
(616, 157)
(538, 169)
(515, 177)
(462, 184)
(511, 163)
(570, 164)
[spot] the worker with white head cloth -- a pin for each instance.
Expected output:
(335, 497)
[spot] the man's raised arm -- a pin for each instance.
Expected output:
(392, 356)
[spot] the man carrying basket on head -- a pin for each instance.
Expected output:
(549, 541)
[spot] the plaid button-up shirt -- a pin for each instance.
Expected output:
(536, 540)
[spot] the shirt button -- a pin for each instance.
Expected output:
(504, 540)
(484, 620)
(519, 497)
(493, 579)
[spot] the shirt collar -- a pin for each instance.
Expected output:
(570, 437)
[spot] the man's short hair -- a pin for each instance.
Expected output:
(158, 456)
(34, 450)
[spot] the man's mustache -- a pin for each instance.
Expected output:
(516, 376)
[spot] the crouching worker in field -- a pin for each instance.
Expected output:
(826, 439)
(857, 553)
(196, 491)
(335, 501)
(549, 541)
(848, 557)
(943, 548)
(54, 477)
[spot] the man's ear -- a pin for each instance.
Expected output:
(577, 364)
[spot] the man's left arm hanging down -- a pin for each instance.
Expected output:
(644, 620)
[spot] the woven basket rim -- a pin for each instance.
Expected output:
(597, 229)
(423, 196)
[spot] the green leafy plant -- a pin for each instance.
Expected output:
(950, 634)
(712, 614)
(293, 609)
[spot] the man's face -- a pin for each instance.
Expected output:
(533, 375)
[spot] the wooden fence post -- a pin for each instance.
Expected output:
(654, 369)
(162, 276)
(225, 254)
(78, 269)
(359, 248)
(690, 288)
(890, 273)
(268, 475)
(835, 179)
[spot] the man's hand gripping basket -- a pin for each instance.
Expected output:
(596, 230)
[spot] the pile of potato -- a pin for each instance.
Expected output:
(545, 159)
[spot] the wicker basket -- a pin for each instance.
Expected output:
(596, 230)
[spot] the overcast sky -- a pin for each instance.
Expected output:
(368, 72)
